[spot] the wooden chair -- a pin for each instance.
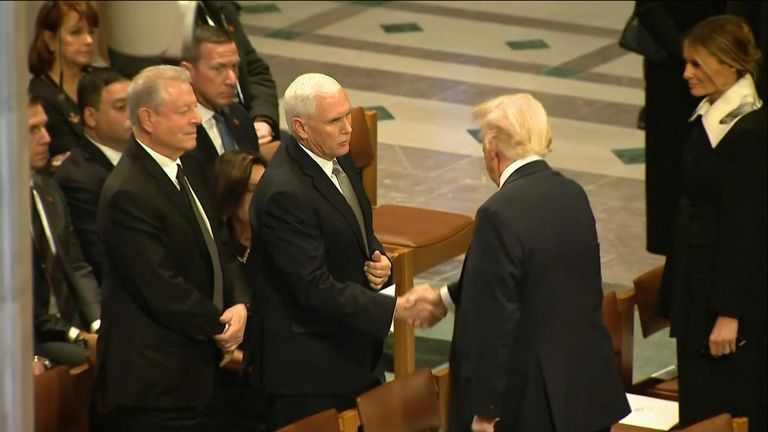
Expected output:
(406, 404)
(416, 239)
(647, 286)
(325, 421)
(719, 423)
(49, 393)
(619, 318)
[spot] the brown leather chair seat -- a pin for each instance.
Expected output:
(416, 227)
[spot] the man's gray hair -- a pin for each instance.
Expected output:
(299, 99)
(146, 88)
(516, 125)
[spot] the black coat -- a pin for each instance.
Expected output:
(80, 284)
(718, 267)
(241, 129)
(324, 326)
(65, 125)
(156, 348)
(529, 343)
(81, 177)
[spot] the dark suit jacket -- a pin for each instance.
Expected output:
(529, 340)
(64, 117)
(81, 177)
(80, 283)
(241, 128)
(156, 348)
(323, 325)
(256, 81)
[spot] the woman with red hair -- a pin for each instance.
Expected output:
(60, 55)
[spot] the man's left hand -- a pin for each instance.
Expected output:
(480, 424)
(234, 318)
(377, 270)
(263, 132)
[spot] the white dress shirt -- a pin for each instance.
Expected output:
(110, 153)
(169, 167)
(210, 126)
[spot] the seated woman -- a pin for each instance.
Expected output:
(61, 53)
(238, 406)
(235, 176)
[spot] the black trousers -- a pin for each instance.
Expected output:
(63, 353)
(153, 420)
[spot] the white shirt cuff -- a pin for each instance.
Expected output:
(72, 334)
(447, 300)
(95, 326)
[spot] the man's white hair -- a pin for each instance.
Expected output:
(516, 125)
(146, 88)
(299, 99)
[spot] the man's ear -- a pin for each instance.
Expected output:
(146, 119)
(187, 66)
(299, 128)
(89, 117)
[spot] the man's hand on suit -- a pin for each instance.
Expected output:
(234, 318)
(480, 424)
(377, 270)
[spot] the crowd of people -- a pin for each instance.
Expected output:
(174, 223)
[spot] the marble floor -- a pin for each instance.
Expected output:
(423, 65)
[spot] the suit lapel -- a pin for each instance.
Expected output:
(205, 148)
(327, 189)
(94, 154)
(167, 188)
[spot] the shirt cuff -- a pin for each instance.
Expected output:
(447, 300)
(72, 334)
(95, 326)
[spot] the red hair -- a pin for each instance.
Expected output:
(50, 18)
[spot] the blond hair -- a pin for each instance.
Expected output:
(516, 125)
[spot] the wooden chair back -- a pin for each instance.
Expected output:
(406, 404)
(324, 421)
(618, 317)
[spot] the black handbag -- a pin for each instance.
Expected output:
(636, 38)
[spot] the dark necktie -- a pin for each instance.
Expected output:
(226, 138)
(218, 282)
(349, 195)
(49, 263)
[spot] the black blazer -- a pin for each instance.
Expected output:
(323, 325)
(81, 177)
(241, 128)
(156, 348)
(78, 276)
(529, 340)
(64, 117)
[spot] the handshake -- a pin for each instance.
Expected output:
(422, 306)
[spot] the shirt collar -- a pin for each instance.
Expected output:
(514, 166)
(325, 164)
(204, 112)
(719, 117)
(168, 165)
(111, 154)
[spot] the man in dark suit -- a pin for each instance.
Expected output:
(256, 86)
(530, 351)
(212, 62)
(101, 95)
(317, 264)
(66, 295)
(166, 280)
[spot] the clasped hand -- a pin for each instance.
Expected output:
(232, 336)
(422, 306)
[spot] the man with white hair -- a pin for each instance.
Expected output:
(530, 351)
(317, 264)
(166, 284)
